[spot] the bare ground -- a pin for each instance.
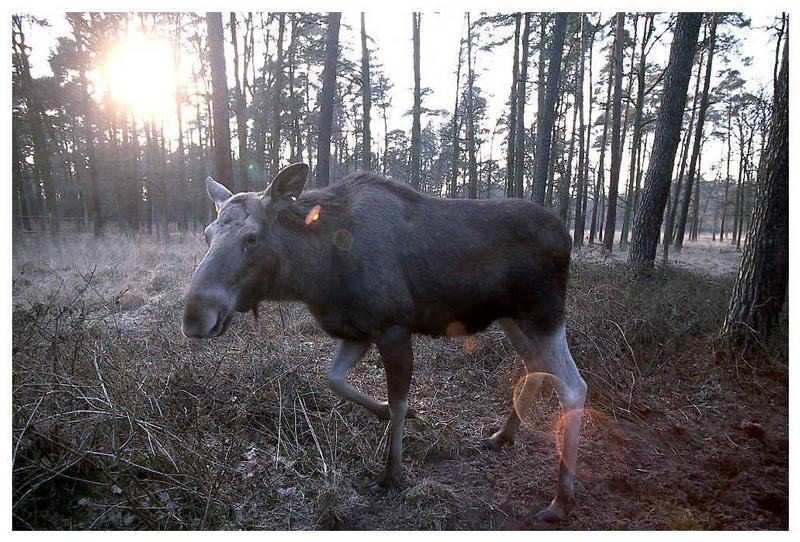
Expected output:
(120, 422)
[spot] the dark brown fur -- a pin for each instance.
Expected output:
(419, 262)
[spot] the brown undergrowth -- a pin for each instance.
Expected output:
(120, 422)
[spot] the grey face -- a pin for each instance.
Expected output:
(241, 257)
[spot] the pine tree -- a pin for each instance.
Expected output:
(542, 159)
(327, 98)
(647, 224)
(417, 109)
(762, 283)
(616, 143)
(223, 165)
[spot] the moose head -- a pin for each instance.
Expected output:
(243, 252)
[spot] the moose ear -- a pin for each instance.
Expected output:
(289, 180)
(217, 192)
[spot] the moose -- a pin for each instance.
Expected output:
(376, 261)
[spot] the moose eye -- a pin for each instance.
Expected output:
(250, 239)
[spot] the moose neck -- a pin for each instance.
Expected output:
(303, 265)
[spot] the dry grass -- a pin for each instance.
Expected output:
(121, 422)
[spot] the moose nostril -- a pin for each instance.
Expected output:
(200, 324)
(217, 329)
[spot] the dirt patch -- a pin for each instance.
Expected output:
(121, 422)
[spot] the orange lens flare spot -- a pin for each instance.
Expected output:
(313, 214)
(455, 329)
(470, 345)
(602, 445)
(534, 401)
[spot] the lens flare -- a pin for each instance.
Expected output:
(455, 329)
(536, 415)
(470, 345)
(602, 445)
(313, 214)
(343, 239)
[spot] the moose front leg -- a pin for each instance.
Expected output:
(398, 358)
(347, 354)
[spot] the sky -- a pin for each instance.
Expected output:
(441, 31)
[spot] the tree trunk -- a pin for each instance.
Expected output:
(627, 99)
(696, 201)
(512, 113)
(327, 98)
(639, 172)
(563, 186)
(240, 105)
(737, 207)
(647, 223)
(456, 125)
(473, 167)
(676, 193)
(586, 144)
(180, 162)
(366, 98)
(602, 213)
(542, 158)
(36, 121)
(164, 186)
(760, 289)
(296, 137)
(745, 183)
(727, 181)
(95, 207)
(698, 137)
(636, 143)
(541, 81)
(223, 166)
(415, 126)
(277, 90)
(581, 180)
(135, 175)
(743, 188)
(559, 126)
(19, 178)
(616, 149)
(309, 130)
(260, 127)
(601, 168)
(384, 105)
(519, 141)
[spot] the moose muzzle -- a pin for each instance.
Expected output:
(206, 315)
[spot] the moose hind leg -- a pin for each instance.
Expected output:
(571, 389)
(524, 347)
(396, 352)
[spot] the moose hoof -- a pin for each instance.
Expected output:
(383, 413)
(496, 442)
(382, 485)
(556, 512)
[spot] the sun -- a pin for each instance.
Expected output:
(141, 74)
